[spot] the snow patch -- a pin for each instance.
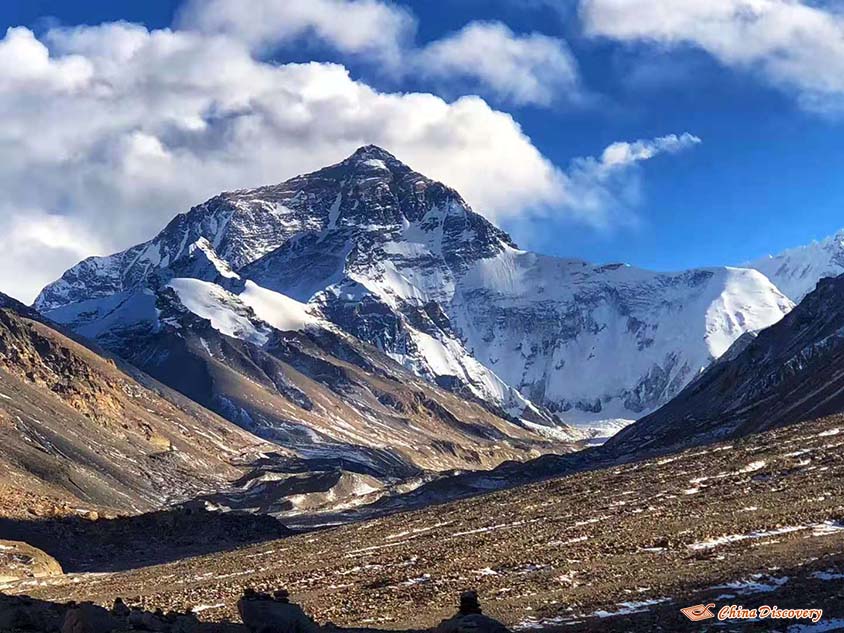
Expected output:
(223, 309)
(280, 311)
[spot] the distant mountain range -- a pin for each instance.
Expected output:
(371, 249)
(377, 335)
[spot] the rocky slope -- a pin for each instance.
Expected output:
(80, 430)
(789, 372)
(402, 263)
(752, 522)
(348, 424)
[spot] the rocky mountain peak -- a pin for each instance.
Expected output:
(403, 263)
(371, 152)
(370, 195)
(368, 163)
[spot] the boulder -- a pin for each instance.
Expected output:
(20, 561)
(88, 618)
(262, 613)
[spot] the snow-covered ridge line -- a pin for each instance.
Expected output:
(796, 271)
(402, 263)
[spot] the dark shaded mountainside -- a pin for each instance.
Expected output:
(100, 462)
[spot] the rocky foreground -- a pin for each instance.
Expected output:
(758, 521)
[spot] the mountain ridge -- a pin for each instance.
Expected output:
(80, 428)
(786, 374)
(401, 262)
(796, 270)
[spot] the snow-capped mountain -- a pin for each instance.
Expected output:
(796, 271)
(789, 373)
(402, 262)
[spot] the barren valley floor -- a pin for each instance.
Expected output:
(756, 521)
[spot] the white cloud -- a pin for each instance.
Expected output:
(794, 44)
(521, 69)
(365, 27)
(35, 245)
(25, 64)
(151, 122)
(622, 154)
(604, 191)
(109, 131)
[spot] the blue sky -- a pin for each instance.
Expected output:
(765, 177)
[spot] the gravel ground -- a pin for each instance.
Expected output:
(758, 521)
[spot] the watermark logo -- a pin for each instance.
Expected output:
(699, 612)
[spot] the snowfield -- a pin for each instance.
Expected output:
(282, 312)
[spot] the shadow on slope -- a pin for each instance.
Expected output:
(808, 598)
(92, 544)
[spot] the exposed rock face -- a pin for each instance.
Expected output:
(402, 263)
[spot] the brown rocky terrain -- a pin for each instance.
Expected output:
(20, 560)
(84, 433)
(756, 521)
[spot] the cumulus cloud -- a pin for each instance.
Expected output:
(487, 57)
(35, 245)
(112, 130)
(364, 27)
(521, 69)
(109, 131)
(794, 44)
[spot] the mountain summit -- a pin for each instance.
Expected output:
(372, 152)
(401, 262)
